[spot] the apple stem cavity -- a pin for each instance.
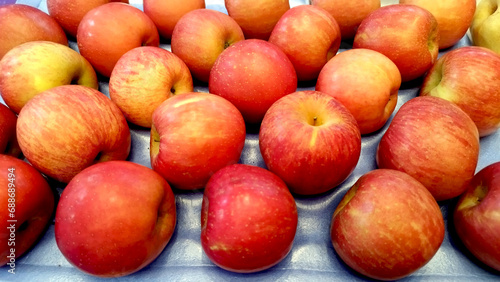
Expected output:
(480, 193)
(226, 44)
(97, 157)
(22, 227)
(346, 199)
(155, 142)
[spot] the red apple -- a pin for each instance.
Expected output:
(323, 149)
(470, 78)
(252, 74)
(366, 83)
(433, 141)
(166, 13)
(248, 219)
(114, 218)
(8, 139)
(194, 135)
(36, 66)
(406, 34)
(70, 13)
(453, 16)
(110, 30)
(348, 14)
(309, 36)
(68, 128)
(21, 23)
(28, 206)
(138, 93)
(387, 225)
(257, 18)
(476, 216)
(200, 36)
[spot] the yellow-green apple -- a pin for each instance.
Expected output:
(406, 34)
(193, 135)
(435, 142)
(248, 219)
(166, 13)
(110, 30)
(21, 23)
(114, 218)
(70, 13)
(200, 36)
(387, 225)
(143, 78)
(323, 149)
(366, 83)
(94, 129)
(8, 139)
(309, 36)
(348, 14)
(28, 208)
(470, 78)
(256, 18)
(476, 216)
(36, 66)
(485, 25)
(453, 17)
(252, 74)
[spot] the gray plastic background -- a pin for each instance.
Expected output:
(312, 257)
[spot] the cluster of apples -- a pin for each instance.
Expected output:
(388, 224)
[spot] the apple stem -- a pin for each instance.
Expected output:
(314, 120)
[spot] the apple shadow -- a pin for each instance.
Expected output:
(413, 84)
(457, 243)
(306, 85)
